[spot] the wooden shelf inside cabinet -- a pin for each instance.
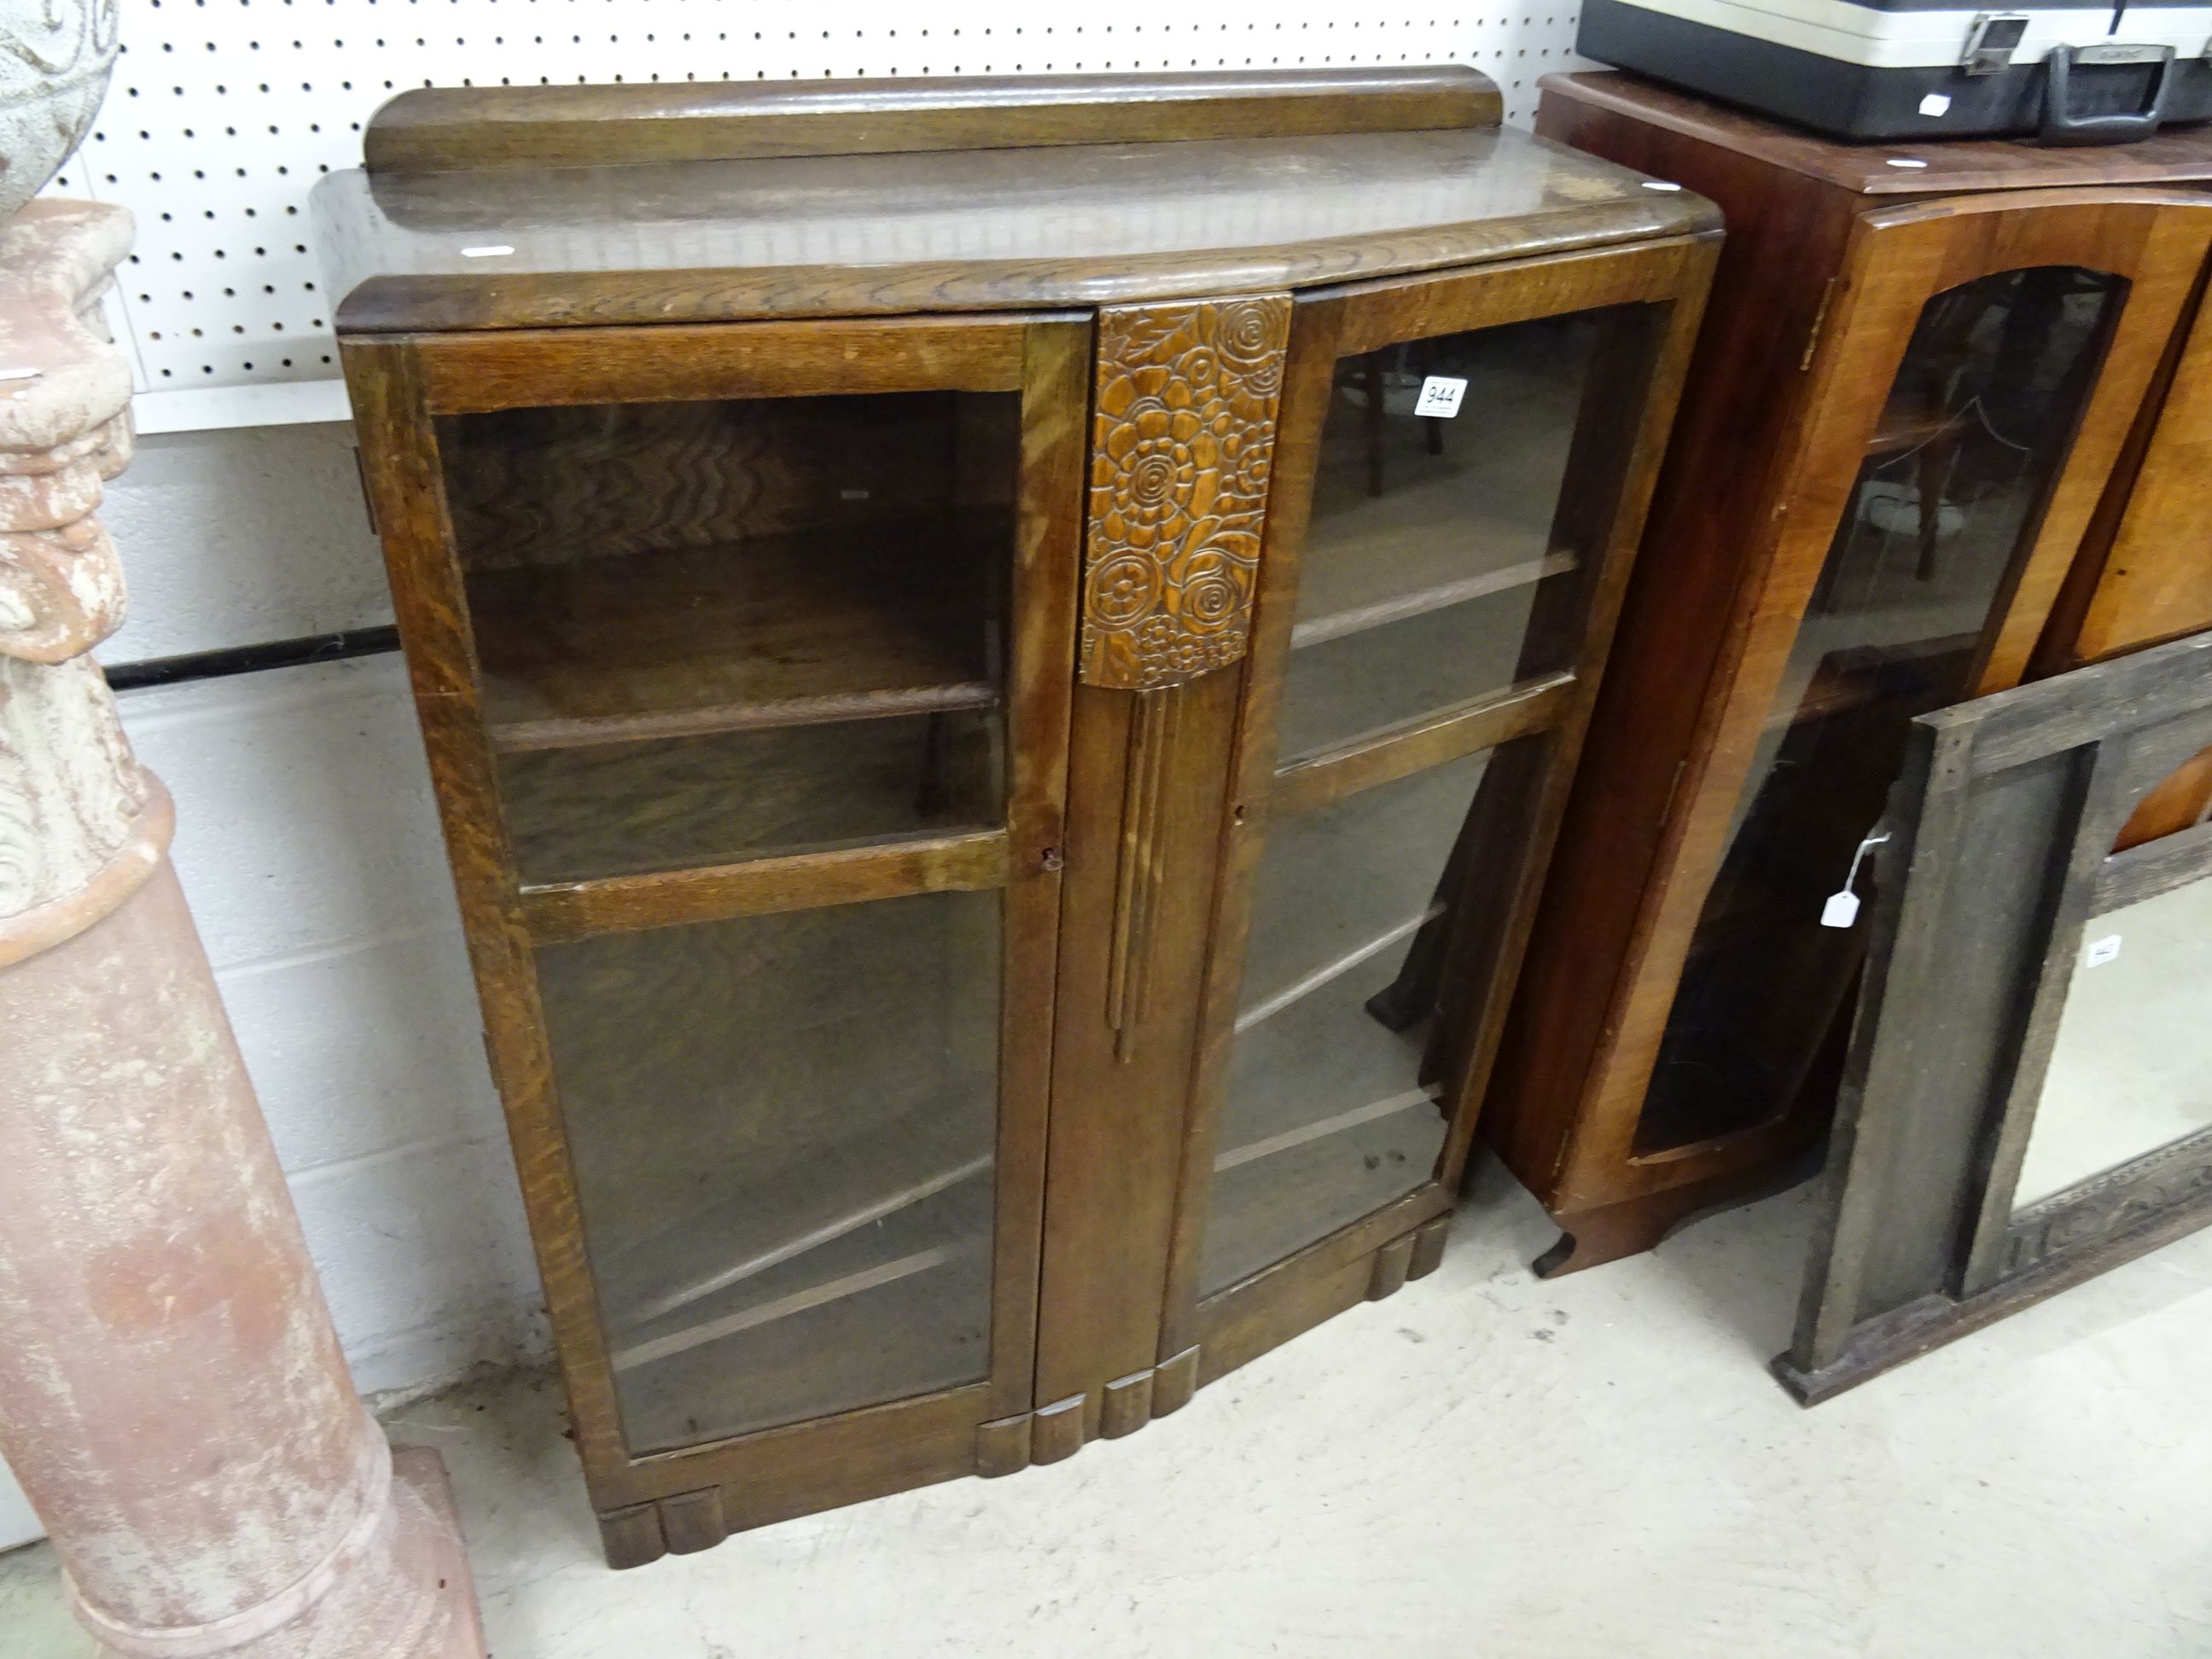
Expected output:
(736, 635)
(1327, 1119)
(877, 1315)
(1852, 678)
(1393, 601)
(1294, 1078)
(759, 1230)
(1405, 556)
(941, 1229)
(1364, 897)
(1908, 424)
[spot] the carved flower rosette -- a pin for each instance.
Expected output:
(1182, 440)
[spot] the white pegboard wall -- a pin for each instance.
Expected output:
(224, 113)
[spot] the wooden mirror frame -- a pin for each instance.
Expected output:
(2002, 828)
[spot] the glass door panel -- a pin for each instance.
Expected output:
(715, 630)
(713, 633)
(1329, 1113)
(1429, 537)
(1947, 500)
(1438, 569)
(782, 1127)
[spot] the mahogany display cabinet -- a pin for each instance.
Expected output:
(1000, 660)
(1947, 427)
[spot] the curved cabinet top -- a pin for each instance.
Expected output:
(1254, 184)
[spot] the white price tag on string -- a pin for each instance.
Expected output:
(1440, 396)
(1841, 908)
(2102, 950)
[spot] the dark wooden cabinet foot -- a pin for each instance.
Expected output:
(1591, 1239)
(632, 1537)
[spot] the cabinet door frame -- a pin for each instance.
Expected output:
(1896, 260)
(1534, 726)
(689, 1498)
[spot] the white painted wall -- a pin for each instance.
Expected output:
(240, 536)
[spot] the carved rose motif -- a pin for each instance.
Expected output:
(1157, 450)
(1183, 443)
(1216, 585)
(1250, 335)
(1124, 589)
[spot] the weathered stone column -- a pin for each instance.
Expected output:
(172, 1394)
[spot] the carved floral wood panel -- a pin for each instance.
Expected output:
(1182, 441)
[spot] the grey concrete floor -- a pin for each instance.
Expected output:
(1484, 1468)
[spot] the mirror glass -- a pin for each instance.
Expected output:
(2131, 1070)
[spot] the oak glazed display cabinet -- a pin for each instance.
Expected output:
(996, 769)
(1947, 427)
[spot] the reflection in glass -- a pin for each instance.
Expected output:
(1432, 537)
(2131, 1070)
(782, 1130)
(1328, 1113)
(1947, 503)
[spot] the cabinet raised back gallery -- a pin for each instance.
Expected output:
(1001, 659)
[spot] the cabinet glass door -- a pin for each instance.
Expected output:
(1331, 1109)
(1943, 512)
(725, 630)
(729, 630)
(1439, 605)
(1428, 554)
(748, 683)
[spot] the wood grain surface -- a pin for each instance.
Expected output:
(959, 231)
(444, 129)
(1944, 166)
(736, 498)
